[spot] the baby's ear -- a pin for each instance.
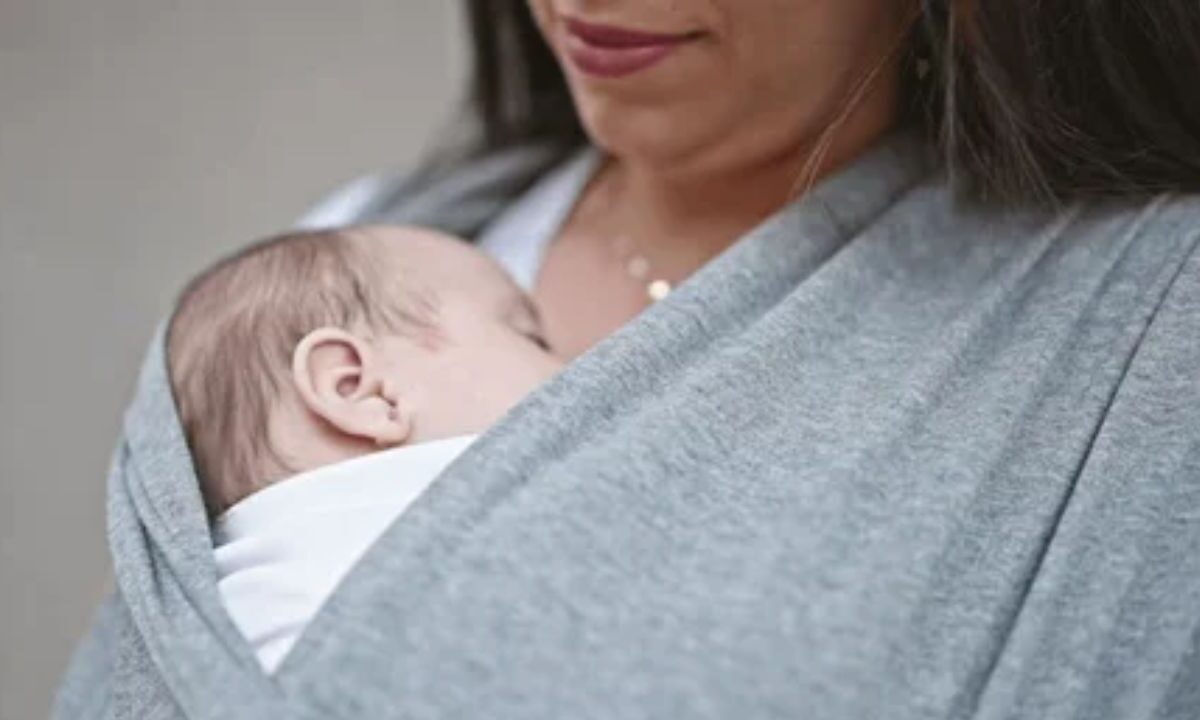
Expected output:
(340, 378)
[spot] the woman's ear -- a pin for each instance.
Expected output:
(340, 379)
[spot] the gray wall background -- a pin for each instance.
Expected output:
(139, 139)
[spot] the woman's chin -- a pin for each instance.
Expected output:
(658, 135)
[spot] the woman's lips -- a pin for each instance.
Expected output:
(610, 51)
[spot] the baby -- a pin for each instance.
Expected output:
(324, 379)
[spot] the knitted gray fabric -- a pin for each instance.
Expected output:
(884, 457)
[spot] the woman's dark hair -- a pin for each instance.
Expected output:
(1026, 101)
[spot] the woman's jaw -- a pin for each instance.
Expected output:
(703, 87)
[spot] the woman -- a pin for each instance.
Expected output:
(885, 398)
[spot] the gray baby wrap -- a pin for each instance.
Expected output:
(884, 457)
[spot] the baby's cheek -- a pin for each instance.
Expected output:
(480, 392)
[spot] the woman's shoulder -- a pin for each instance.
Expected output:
(1165, 234)
(1168, 213)
(1179, 218)
(1163, 230)
(1103, 237)
(1180, 213)
(1159, 237)
(349, 202)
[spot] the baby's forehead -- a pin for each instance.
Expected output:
(442, 262)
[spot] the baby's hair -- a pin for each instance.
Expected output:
(235, 327)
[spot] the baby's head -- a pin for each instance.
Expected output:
(315, 347)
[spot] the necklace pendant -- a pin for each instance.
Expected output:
(638, 267)
(658, 289)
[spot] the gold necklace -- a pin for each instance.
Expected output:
(636, 265)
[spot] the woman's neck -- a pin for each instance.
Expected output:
(704, 207)
(692, 209)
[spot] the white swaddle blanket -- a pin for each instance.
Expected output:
(281, 552)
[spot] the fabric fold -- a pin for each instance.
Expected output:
(886, 456)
